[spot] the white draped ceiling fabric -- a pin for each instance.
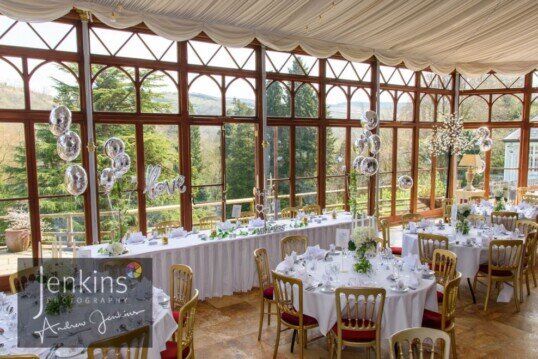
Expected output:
(470, 36)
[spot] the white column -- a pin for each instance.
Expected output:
(454, 159)
(89, 125)
(265, 151)
(377, 90)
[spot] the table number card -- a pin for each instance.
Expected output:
(342, 237)
(236, 211)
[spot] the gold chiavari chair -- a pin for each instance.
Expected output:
(521, 191)
(475, 218)
(246, 217)
(309, 208)
(288, 212)
(130, 345)
(444, 265)
(530, 199)
(161, 227)
(209, 222)
(507, 219)
(359, 312)
(526, 226)
(18, 281)
(183, 347)
(504, 258)
(529, 250)
(447, 208)
(266, 286)
(476, 199)
(290, 315)
(290, 244)
(427, 244)
(415, 343)
(180, 287)
(445, 320)
(385, 232)
(411, 217)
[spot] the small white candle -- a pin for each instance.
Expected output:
(362, 219)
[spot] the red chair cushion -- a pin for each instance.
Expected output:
(353, 335)
(396, 250)
(440, 296)
(175, 314)
(292, 319)
(432, 319)
(171, 351)
(268, 293)
(499, 273)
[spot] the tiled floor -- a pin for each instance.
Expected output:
(228, 328)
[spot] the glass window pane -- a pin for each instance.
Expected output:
(404, 161)
(385, 171)
(15, 236)
(240, 98)
(506, 108)
(13, 177)
(335, 165)
(359, 193)
(335, 193)
(159, 92)
(386, 102)
(306, 151)
(278, 161)
(405, 108)
(306, 100)
(12, 87)
(205, 95)
(505, 156)
(427, 110)
(336, 103)
(306, 192)
(360, 102)
(424, 172)
(278, 99)
(113, 89)
(474, 109)
(161, 147)
(53, 84)
(532, 177)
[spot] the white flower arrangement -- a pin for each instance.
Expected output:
(59, 268)
(113, 249)
(498, 192)
(362, 235)
(464, 210)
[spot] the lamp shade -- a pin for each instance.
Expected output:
(469, 160)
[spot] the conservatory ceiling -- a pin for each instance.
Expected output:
(471, 36)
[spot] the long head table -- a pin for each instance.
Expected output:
(224, 266)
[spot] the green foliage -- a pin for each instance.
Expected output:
(362, 265)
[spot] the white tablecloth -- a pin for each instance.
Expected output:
(164, 326)
(224, 266)
(469, 257)
(401, 311)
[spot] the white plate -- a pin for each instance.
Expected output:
(328, 290)
(398, 290)
(67, 352)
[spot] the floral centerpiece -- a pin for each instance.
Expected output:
(364, 240)
(462, 225)
(113, 249)
(64, 299)
(498, 193)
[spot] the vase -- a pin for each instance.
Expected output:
(17, 240)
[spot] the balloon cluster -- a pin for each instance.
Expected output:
(121, 163)
(483, 139)
(367, 165)
(68, 146)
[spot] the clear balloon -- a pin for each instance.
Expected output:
(75, 180)
(357, 162)
(486, 144)
(359, 145)
(369, 166)
(482, 167)
(482, 132)
(68, 146)
(374, 144)
(121, 164)
(365, 135)
(107, 179)
(113, 147)
(369, 120)
(59, 120)
(405, 182)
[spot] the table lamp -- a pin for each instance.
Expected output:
(471, 162)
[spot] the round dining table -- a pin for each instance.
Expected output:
(401, 310)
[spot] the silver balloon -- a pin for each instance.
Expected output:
(357, 162)
(482, 167)
(405, 182)
(121, 164)
(113, 147)
(68, 146)
(365, 135)
(486, 144)
(359, 145)
(107, 179)
(369, 166)
(374, 144)
(370, 120)
(59, 120)
(482, 132)
(75, 180)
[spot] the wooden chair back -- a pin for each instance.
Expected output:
(507, 219)
(385, 232)
(447, 208)
(505, 255)
(359, 310)
(450, 302)
(262, 268)
(19, 280)
(288, 212)
(416, 343)
(161, 227)
(476, 199)
(526, 225)
(181, 276)
(209, 222)
(185, 327)
(130, 345)
(290, 244)
(312, 208)
(529, 249)
(411, 217)
(285, 289)
(428, 243)
(444, 264)
(475, 218)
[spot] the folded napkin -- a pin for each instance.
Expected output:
(225, 226)
(289, 261)
(412, 227)
(256, 222)
(413, 281)
(178, 232)
(135, 238)
(315, 252)
(84, 252)
(411, 261)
